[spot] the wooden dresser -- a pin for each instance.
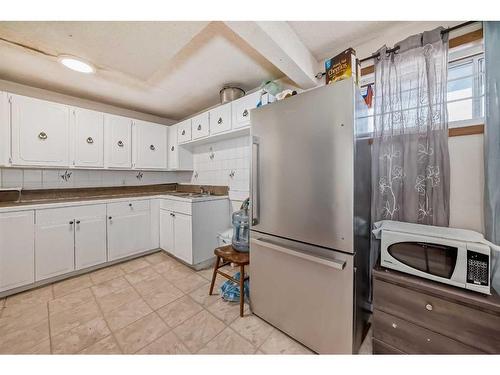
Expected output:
(412, 315)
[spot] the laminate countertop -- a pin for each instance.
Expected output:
(31, 199)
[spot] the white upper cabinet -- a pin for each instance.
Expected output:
(150, 145)
(87, 138)
(200, 126)
(118, 141)
(178, 156)
(184, 131)
(220, 119)
(4, 129)
(241, 109)
(40, 132)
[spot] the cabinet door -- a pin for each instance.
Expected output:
(241, 109)
(184, 131)
(183, 237)
(88, 138)
(128, 234)
(17, 253)
(220, 119)
(167, 231)
(173, 152)
(5, 153)
(40, 132)
(118, 141)
(150, 145)
(54, 248)
(200, 126)
(90, 241)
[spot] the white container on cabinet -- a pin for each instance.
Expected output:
(40, 132)
(118, 141)
(87, 138)
(149, 145)
(17, 253)
(220, 119)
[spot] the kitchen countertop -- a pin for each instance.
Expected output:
(42, 199)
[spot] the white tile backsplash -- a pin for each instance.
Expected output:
(54, 178)
(230, 155)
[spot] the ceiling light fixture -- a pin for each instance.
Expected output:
(76, 64)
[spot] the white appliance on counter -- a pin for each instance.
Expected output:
(309, 241)
(447, 255)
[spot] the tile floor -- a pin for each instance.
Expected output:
(149, 305)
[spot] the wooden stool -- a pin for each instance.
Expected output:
(228, 255)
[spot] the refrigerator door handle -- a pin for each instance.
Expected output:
(255, 180)
(336, 264)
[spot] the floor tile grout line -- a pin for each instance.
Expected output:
(107, 325)
(158, 316)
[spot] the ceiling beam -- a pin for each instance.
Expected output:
(278, 43)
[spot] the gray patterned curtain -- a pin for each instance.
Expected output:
(492, 140)
(410, 170)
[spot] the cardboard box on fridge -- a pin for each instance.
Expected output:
(342, 66)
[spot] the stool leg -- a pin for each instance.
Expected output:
(242, 290)
(214, 276)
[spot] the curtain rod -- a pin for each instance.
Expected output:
(374, 56)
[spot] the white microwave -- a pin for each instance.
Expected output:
(458, 263)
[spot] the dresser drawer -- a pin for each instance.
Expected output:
(176, 206)
(380, 347)
(412, 339)
(469, 326)
(121, 208)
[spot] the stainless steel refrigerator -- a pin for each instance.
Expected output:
(309, 239)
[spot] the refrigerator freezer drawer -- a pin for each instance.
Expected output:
(308, 296)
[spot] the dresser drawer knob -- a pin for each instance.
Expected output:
(394, 325)
(428, 307)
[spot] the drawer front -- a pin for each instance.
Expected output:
(380, 347)
(123, 208)
(470, 326)
(199, 126)
(184, 131)
(241, 109)
(412, 339)
(220, 119)
(63, 214)
(176, 206)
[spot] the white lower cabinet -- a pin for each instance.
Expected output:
(188, 231)
(17, 252)
(68, 239)
(129, 228)
(54, 245)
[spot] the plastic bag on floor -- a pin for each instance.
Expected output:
(231, 291)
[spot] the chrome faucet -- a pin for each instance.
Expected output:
(204, 190)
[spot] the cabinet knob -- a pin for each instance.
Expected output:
(110, 217)
(71, 222)
(172, 214)
(42, 136)
(130, 204)
(152, 147)
(120, 144)
(183, 132)
(199, 127)
(172, 148)
(78, 221)
(90, 140)
(428, 307)
(245, 113)
(220, 121)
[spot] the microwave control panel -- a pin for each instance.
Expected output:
(477, 268)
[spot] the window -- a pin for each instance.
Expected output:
(465, 88)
